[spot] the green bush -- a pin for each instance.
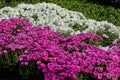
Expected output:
(31, 72)
(9, 64)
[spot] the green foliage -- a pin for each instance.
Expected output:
(9, 59)
(30, 72)
(9, 64)
(79, 27)
(82, 76)
(108, 38)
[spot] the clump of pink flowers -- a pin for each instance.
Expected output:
(10, 34)
(60, 58)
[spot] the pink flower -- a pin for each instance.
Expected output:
(26, 63)
(5, 51)
(100, 76)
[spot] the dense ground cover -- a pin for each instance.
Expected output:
(89, 9)
(60, 51)
(40, 53)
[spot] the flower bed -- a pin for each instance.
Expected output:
(62, 20)
(51, 56)
(57, 44)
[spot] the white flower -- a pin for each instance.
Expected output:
(106, 36)
(105, 48)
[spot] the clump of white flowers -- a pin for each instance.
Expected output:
(59, 19)
(43, 14)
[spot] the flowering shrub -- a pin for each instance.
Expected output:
(73, 56)
(61, 20)
(9, 38)
(10, 48)
(50, 56)
(56, 58)
(10, 34)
